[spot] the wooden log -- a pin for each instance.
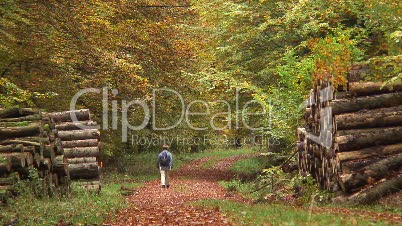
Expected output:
(371, 152)
(358, 139)
(83, 170)
(29, 159)
(22, 119)
(27, 141)
(10, 180)
(81, 152)
(23, 131)
(78, 135)
(59, 150)
(17, 159)
(55, 180)
(82, 160)
(60, 165)
(353, 181)
(74, 125)
(80, 143)
(371, 102)
(15, 124)
(5, 165)
(342, 95)
(371, 88)
(24, 172)
(49, 152)
(37, 159)
(82, 115)
(9, 112)
(11, 148)
(373, 193)
(370, 118)
(45, 164)
(355, 165)
(28, 111)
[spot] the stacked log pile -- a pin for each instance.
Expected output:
(52, 144)
(79, 141)
(365, 127)
(26, 143)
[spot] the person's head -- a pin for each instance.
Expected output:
(165, 147)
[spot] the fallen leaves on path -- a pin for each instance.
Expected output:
(157, 206)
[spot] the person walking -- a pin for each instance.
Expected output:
(165, 164)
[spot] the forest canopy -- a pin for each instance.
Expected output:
(267, 51)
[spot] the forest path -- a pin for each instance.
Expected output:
(156, 206)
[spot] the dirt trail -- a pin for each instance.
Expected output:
(157, 206)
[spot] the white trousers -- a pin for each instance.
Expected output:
(165, 177)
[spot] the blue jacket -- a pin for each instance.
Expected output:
(165, 167)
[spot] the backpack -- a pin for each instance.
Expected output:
(164, 159)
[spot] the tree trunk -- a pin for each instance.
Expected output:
(78, 135)
(82, 115)
(22, 131)
(29, 159)
(81, 160)
(371, 102)
(369, 173)
(358, 139)
(17, 159)
(60, 165)
(74, 125)
(370, 118)
(37, 159)
(49, 152)
(81, 152)
(45, 164)
(80, 143)
(28, 141)
(5, 165)
(28, 111)
(371, 88)
(11, 148)
(31, 149)
(356, 165)
(83, 170)
(22, 119)
(15, 124)
(370, 152)
(372, 194)
(9, 112)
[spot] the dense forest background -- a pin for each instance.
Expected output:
(268, 51)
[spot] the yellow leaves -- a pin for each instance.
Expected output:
(332, 58)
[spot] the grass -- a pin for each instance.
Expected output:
(80, 208)
(280, 214)
(249, 165)
(219, 154)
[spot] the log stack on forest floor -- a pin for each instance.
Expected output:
(49, 144)
(365, 130)
(80, 143)
(26, 143)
